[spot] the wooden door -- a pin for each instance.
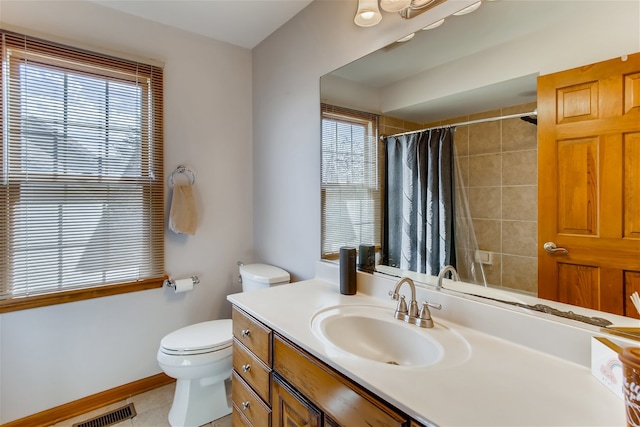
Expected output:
(589, 185)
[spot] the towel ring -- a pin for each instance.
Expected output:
(182, 169)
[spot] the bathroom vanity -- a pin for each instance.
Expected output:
(306, 355)
(274, 379)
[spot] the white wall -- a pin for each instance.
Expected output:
(54, 355)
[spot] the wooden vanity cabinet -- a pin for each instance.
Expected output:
(251, 378)
(342, 401)
(284, 386)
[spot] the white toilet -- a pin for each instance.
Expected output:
(199, 357)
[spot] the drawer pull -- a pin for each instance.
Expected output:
(246, 333)
(246, 368)
(245, 405)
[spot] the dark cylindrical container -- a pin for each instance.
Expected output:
(348, 271)
(367, 258)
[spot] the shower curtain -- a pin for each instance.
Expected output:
(418, 232)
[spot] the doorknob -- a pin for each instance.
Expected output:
(551, 248)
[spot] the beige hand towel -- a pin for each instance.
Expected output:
(183, 218)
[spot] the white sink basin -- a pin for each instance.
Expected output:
(373, 334)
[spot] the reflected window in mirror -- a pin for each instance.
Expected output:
(351, 180)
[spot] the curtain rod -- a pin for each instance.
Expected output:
(470, 122)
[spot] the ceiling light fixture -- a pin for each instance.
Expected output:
(368, 13)
(394, 5)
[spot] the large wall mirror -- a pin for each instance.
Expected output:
(487, 64)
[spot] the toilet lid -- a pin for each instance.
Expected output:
(199, 338)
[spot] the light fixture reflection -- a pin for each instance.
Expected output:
(468, 9)
(434, 25)
(368, 13)
(406, 38)
(416, 4)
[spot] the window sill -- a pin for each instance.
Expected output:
(24, 303)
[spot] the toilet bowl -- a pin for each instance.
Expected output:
(199, 357)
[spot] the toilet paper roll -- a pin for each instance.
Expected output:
(183, 285)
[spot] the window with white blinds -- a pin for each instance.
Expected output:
(351, 182)
(81, 182)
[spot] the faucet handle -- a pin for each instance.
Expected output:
(432, 305)
(413, 309)
(424, 319)
(402, 312)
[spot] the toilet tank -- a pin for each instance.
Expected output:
(259, 276)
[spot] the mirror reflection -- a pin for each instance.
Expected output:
(485, 66)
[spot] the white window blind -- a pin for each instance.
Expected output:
(81, 174)
(351, 182)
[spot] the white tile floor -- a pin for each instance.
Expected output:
(152, 409)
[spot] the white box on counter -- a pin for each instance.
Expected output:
(605, 364)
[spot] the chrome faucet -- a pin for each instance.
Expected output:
(411, 315)
(454, 275)
(401, 312)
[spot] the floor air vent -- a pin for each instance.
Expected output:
(110, 418)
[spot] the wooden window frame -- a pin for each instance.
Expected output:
(152, 130)
(375, 192)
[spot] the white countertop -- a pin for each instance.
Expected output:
(499, 384)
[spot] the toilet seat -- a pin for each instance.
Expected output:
(204, 337)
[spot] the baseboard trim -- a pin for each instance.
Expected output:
(90, 403)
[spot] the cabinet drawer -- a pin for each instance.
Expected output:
(252, 334)
(238, 420)
(247, 403)
(252, 370)
(341, 399)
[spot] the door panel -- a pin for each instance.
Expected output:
(631, 171)
(632, 284)
(589, 184)
(578, 186)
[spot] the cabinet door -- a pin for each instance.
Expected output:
(328, 422)
(290, 409)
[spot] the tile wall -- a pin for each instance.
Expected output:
(498, 165)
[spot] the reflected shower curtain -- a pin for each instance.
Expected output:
(419, 221)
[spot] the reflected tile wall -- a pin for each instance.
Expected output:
(498, 164)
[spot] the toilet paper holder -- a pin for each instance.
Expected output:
(171, 283)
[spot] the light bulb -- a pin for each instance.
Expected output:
(366, 15)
